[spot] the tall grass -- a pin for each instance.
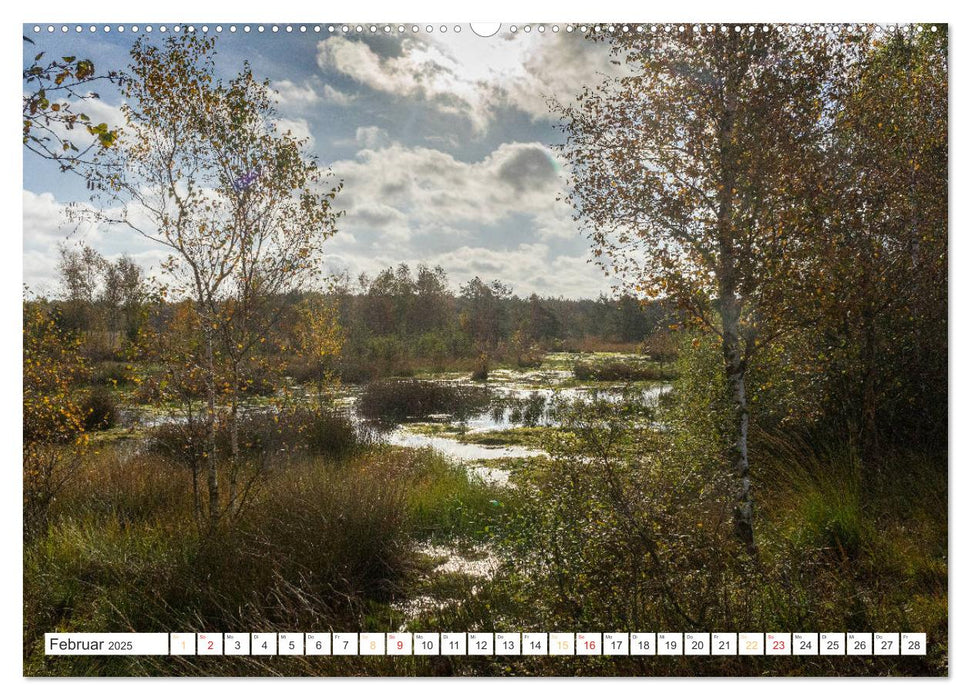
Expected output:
(323, 544)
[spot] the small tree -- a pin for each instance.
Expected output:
(202, 170)
(53, 430)
(317, 340)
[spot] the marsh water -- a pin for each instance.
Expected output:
(487, 441)
(518, 398)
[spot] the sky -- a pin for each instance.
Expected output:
(443, 141)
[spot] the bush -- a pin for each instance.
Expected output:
(265, 436)
(100, 409)
(326, 432)
(480, 372)
(111, 374)
(395, 401)
(614, 533)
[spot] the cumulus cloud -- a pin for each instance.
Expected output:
(371, 137)
(473, 78)
(290, 95)
(497, 217)
(47, 227)
(335, 96)
(428, 185)
(425, 192)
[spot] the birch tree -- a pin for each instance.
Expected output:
(690, 174)
(202, 170)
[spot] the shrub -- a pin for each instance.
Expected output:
(264, 435)
(399, 400)
(100, 409)
(614, 533)
(111, 374)
(325, 432)
(480, 372)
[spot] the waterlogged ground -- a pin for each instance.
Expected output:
(523, 406)
(490, 444)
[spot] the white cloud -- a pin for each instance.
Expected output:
(335, 96)
(372, 137)
(432, 186)
(473, 77)
(497, 217)
(46, 227)
(293, 96)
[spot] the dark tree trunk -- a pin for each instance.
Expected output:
(212, 473)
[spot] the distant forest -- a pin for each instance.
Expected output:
(388, 323)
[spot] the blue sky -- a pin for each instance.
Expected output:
(442, 141)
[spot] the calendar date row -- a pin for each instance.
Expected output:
(489, 644)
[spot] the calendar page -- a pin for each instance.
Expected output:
(514, 349)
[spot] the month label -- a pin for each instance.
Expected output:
(106, 644)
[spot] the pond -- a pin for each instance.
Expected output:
(473, 423)
(516, 399)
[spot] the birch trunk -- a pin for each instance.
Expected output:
(735, 374)
(730, 309)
